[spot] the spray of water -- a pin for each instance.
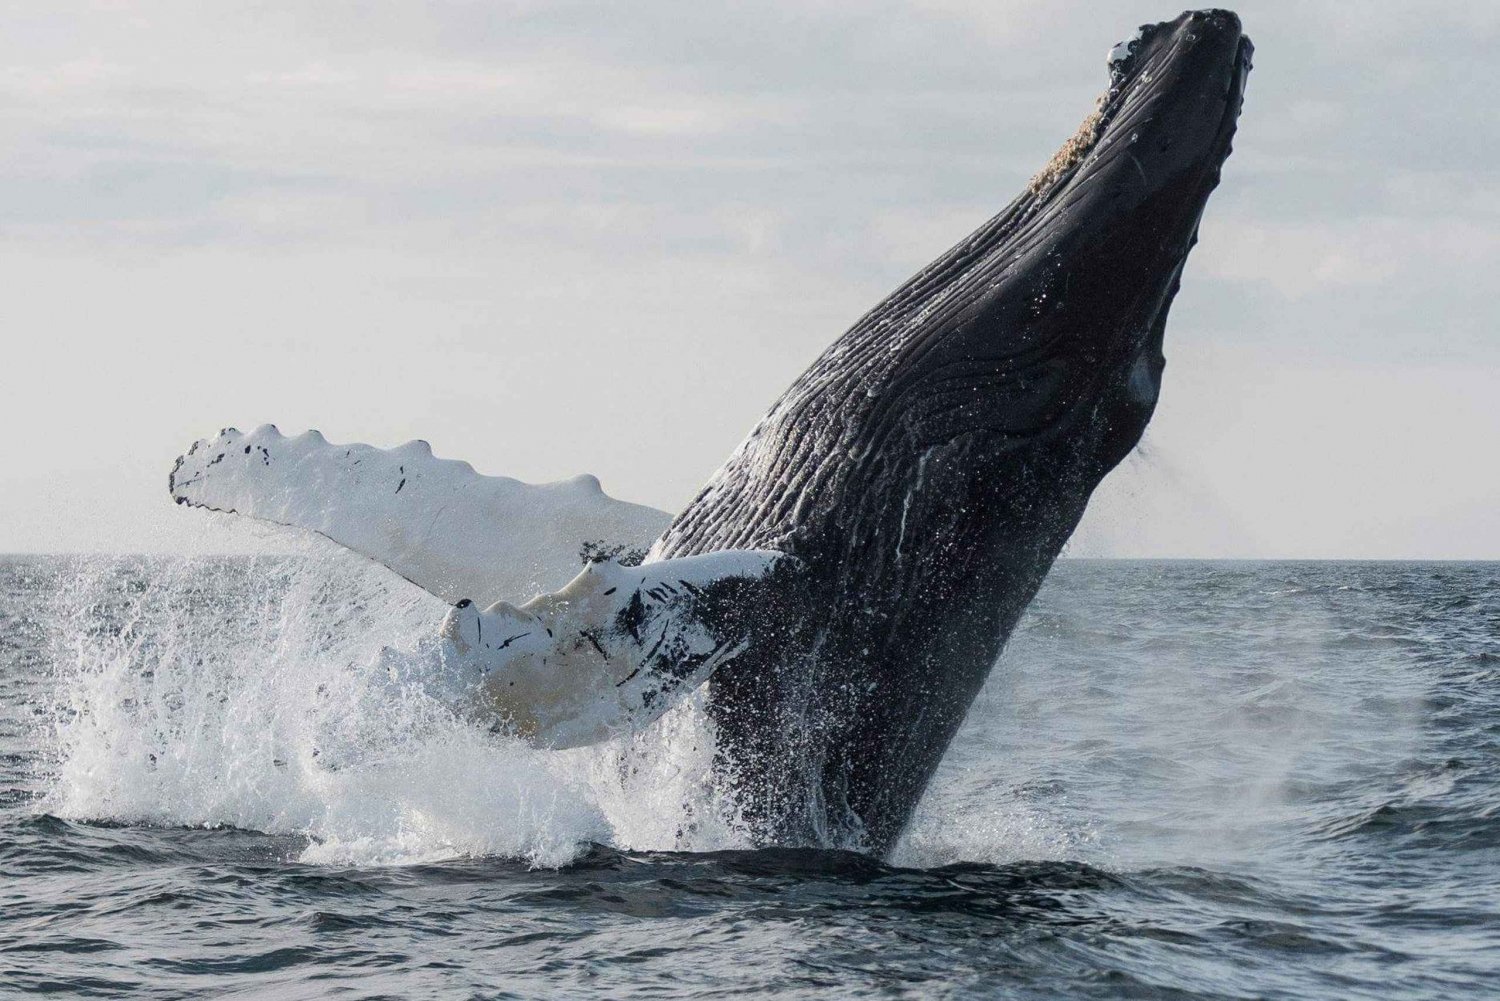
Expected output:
(1154, 505)
(253, 691)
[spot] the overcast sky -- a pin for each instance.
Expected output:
(555, 238)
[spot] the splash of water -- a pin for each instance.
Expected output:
(250, 692)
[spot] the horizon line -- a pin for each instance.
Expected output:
(1064, 558)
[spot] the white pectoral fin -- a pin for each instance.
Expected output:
(435, 522)
(610, 652)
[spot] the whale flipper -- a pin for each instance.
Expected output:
(607, 654)
(597, 653)
(435, 522)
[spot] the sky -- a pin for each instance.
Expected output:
(554, 238)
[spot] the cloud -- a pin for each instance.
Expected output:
(448, 217)
(1301, 261)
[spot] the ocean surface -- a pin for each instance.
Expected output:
(1183, 780)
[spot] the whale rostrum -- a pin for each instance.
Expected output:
(847, 580)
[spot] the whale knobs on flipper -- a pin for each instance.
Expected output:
(610, 652)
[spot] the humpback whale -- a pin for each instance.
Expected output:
(846, 581)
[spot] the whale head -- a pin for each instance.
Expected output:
(1041, 335)
(1086, 275)
(1027, 356)
(1021, 367)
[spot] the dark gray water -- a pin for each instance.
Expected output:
(1238, 780)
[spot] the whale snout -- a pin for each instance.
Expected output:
(1173, 87)
(1194, 29)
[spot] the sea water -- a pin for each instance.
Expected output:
(1183, 779)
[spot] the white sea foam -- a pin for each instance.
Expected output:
(952, 825)
(247, 692)
(256, 692)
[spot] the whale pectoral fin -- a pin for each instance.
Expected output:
(435, 522)
(613, 650)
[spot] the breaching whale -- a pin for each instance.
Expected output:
(846, 581)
